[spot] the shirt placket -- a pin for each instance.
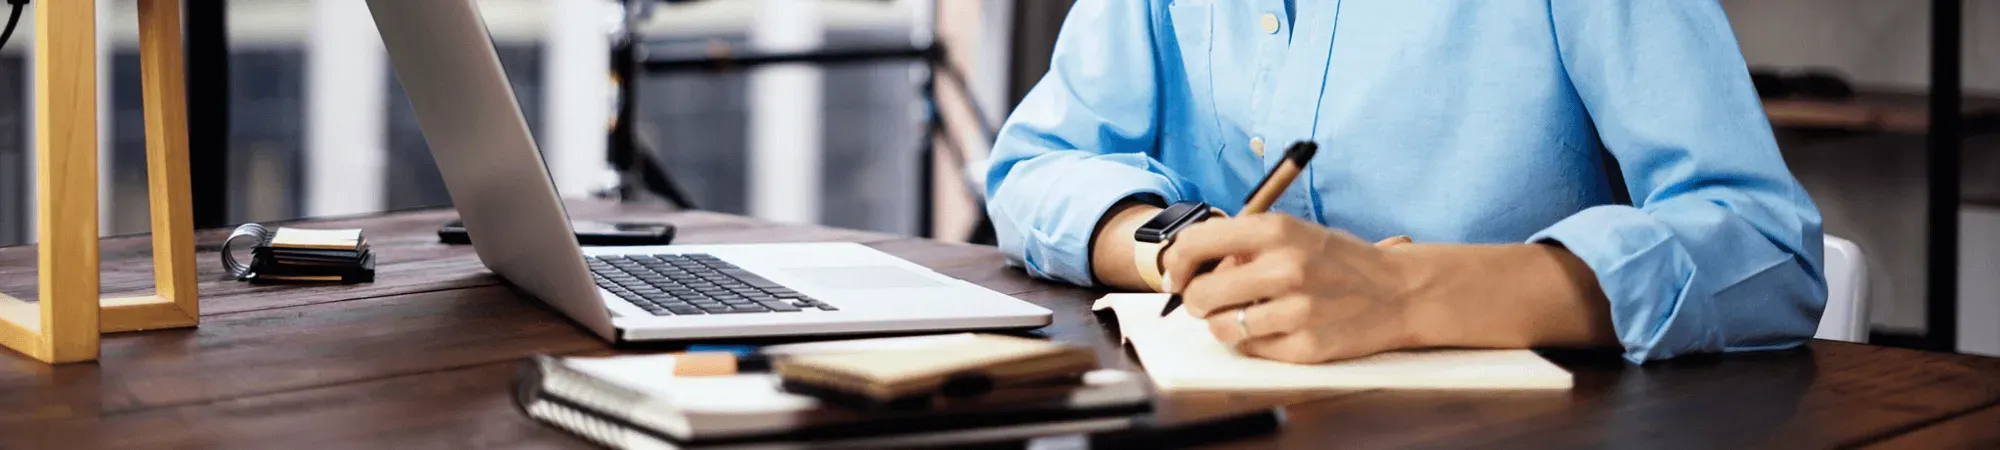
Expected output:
(1292, 102)
(1270, 57)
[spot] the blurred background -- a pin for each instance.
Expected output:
(306, 120)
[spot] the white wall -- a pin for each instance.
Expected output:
(786, 114)
(346, 151)
(577, 97)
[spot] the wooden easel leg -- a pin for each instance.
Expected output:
(66, 177)
(165, 92)
(71, 312)
(21, 327)
(164, 82)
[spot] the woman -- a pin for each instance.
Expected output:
(1502, 136)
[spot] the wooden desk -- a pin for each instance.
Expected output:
(424, 356)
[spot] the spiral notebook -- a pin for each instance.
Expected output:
(1180, 354)
(626, 402)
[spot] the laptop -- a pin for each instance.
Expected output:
(446, 61)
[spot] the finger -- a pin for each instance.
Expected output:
(1271, 276)
(1313, 345)
(1167, 279)
(1393, 241)
(1229, 262)
(1260, 319)
(1299, 347)
(1217, 238)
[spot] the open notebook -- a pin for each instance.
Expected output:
(1180, 354)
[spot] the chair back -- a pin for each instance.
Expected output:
(1846, 316)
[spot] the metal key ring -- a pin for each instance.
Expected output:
(256, 233)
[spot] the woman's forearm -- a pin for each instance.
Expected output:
(1505, 296)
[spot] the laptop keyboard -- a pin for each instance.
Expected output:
(693, 284)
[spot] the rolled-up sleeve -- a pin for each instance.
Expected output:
(1080, 141)
(1721, 248)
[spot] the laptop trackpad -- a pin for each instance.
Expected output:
(863, 277)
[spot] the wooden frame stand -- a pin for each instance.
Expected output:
(65, 323)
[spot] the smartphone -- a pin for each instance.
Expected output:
(587, 233)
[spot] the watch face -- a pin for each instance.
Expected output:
(1171, 220)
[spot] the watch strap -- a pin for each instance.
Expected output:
(1146, 258)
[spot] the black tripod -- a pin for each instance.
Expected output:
(638, 168)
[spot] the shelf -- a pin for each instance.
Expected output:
(1874, 111)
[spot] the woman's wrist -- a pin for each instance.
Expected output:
(1427, 287)
(1111, 247)
(1501, 296)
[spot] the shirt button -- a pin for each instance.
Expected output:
(1257, 146)
(1270, 22)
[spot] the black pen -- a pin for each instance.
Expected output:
(1260, 201)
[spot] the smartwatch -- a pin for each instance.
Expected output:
(1153, 237)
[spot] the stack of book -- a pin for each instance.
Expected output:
(891, 401)
(297, 254)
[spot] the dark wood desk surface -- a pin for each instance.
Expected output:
(424, 356)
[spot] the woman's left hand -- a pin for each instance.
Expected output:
(1306, 293)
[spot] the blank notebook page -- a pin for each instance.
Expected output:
(1179, 353)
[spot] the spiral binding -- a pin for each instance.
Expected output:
(257, 234)
(582, 424)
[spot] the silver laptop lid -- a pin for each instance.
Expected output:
(441, 51)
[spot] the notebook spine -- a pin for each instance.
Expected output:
(579, 423)
(553, 394)
(586, 391)
(536, 398)
(554, 380)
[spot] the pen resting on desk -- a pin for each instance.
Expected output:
(1180, 354)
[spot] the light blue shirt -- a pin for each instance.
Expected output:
(1448, 121)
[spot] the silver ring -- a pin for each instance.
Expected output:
(1242, 321)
